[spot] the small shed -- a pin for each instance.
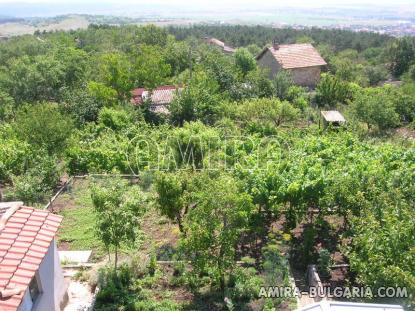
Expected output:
(332, 118)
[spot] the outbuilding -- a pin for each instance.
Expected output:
(303, 61)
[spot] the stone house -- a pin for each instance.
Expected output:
(31, 278)
(302, 60)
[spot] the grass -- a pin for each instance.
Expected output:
(78, 225)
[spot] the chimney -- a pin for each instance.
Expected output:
(275, 44)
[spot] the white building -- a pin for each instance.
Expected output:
(31, 277)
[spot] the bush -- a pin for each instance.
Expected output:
(37, 182)
(324, 262)
(246, 284)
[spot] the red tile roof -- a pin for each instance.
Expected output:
(162, 95)
(291, 56)
(24, 241)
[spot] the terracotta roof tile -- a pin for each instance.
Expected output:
(24, 241)
(291, 56)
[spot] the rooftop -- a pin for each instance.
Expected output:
(25, 237)
(162, 95)
(333, 116)
(349, 306)
(225, 48)
(291, 56)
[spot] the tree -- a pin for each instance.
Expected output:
(152, 35)
(150, 67)
(375, 107)
(282, 82)
(7, 106)
(43, 126)
(31, 80)
(116, 73)
(214, 227)
(267, 112)
(82, 105)
(197, 101)
(118, 211)
(331, 91)
(244, 60)
(174, 195)
(401, 54)
(38, 181)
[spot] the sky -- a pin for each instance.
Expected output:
(26, 8)
(226, 2)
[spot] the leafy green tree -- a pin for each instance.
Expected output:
(152, 35)
(82, 105)
(43, 126)
(178, 55)
(115, 72)
(174, 195)
(282, 82)
(197, 101)
(7, 106)
(267, 112)
(104, 95)
(150, 67)
(214, 227)
(375, 107)
(401, 54)
(38, 181)
(118, 211)
(244, 60)
(376, 74)
(253, 49)
(31, 80)
(331, 91)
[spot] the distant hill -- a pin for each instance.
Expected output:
(10, 19)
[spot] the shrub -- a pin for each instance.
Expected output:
(246, 284)
(324, 262)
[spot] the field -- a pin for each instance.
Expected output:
(24, 28)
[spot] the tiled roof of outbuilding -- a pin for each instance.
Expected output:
(291, 56)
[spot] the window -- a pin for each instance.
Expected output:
(34, 289)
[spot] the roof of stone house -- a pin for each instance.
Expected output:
(162, 95)
(333, 116)
(291, 56)
(25, 237)
(221, 44)
(349, 306)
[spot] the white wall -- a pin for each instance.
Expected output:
(52, 285)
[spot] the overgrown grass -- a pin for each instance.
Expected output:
(78, 226)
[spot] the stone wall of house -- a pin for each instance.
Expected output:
(269, 63)
(306, 76)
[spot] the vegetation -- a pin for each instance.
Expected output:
(239, 172)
